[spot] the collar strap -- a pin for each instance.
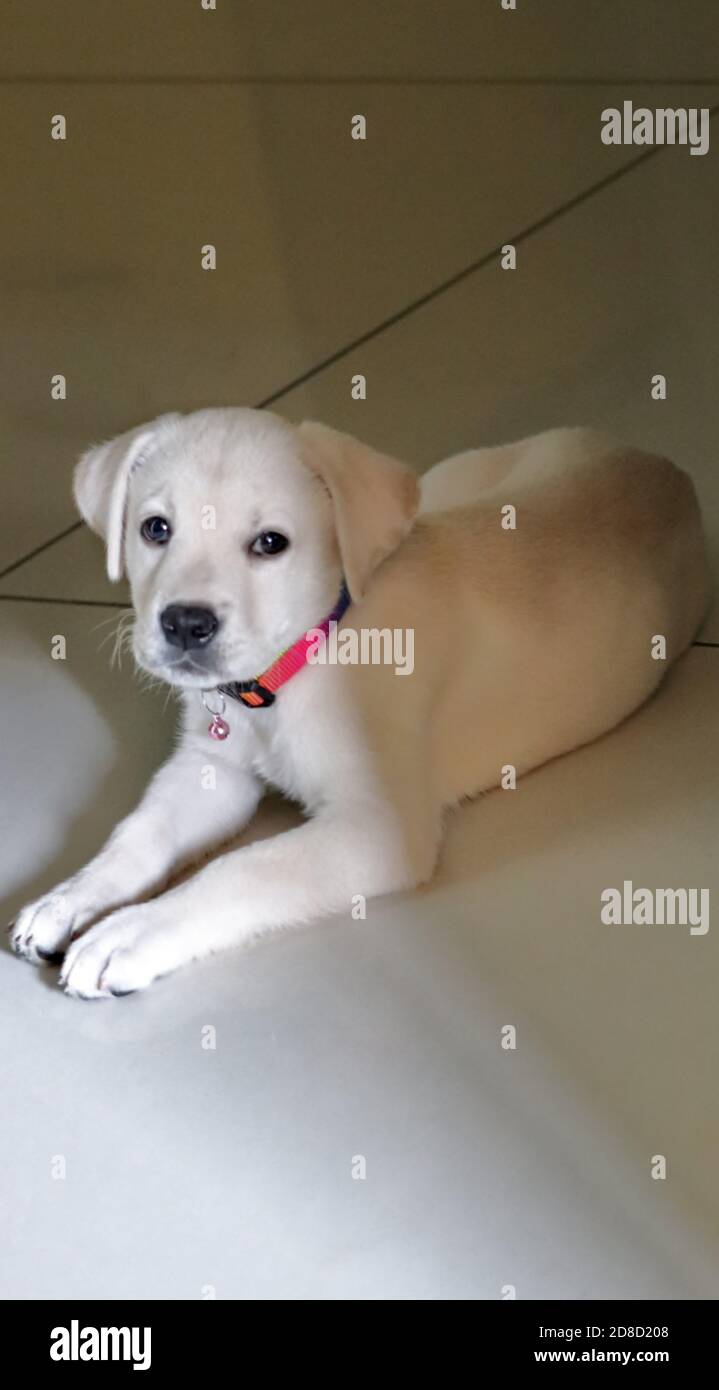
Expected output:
(261, 690)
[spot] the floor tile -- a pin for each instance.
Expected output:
(319, 238)
(73, 568)
(187, 1167)
(619, 289)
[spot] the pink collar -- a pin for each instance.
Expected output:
(261, 691)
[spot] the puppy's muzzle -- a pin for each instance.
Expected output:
(188, 626)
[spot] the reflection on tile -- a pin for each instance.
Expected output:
(67, 777)
(318, 239)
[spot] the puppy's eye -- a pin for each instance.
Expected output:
(269, 543)
(156, 530)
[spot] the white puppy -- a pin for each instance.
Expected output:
(535, 630)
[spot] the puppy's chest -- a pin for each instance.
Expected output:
(283, 747)
(280, 760)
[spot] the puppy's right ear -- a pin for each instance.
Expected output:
(101, 481)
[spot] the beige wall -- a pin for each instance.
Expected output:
(376, 38)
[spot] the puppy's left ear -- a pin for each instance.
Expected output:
(101, 480)
(375, 498)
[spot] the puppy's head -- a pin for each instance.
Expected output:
(235, 529)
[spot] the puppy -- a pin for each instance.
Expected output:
(540, 582)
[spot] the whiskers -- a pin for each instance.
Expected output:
(120, 635)
(150, 683)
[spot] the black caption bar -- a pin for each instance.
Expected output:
(150, 1338)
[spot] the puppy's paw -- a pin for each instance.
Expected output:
(42, 930)
(123, 954)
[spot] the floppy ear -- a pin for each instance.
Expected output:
(375, 498)
(102, 478)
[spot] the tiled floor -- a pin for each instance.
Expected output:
(186, 1167)
(319, 239)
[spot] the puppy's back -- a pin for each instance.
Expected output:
(585, 506)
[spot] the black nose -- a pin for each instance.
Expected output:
(187, 626)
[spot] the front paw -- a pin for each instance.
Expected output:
(43, 930)
(122, 954)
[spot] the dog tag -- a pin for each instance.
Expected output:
(218, 727)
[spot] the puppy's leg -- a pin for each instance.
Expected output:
(175, 823)
(281, 882)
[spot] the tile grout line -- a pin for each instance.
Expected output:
(72, 602)
(539, 225)
(278, 80)
(452, 281)
(25, 559)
